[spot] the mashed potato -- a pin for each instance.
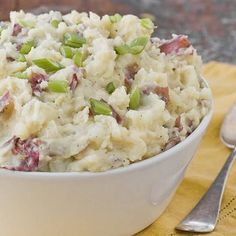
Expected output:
(81, 92)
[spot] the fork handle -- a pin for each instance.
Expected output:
(203, 217)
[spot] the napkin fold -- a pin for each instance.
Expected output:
(206, 164)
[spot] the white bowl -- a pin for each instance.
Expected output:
(117, 202)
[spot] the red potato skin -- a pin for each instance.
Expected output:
(163, 92)
(74, 82)
(16, 29)
(35, 81)
(28, 151)
(173, 45)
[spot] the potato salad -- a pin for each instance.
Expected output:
(80, 92)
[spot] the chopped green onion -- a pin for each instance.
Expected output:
(48, 65)
(26, 23)
(26, 47)
(20, 75)
(58, 86)
(110, 88)
(78, 59)
(148, 15)
(66, 51)
(134, 99)
(55, 23)
(115, 18)
(122, 49)
(1, 29)
(21, 58)
(100, 107)
(74, 40)
(137, 45)
(147, 23)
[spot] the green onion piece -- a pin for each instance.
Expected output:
(26, 23)
(20, 75)
(134, 99)
(115, 18)
(148, 15)
(1, 29)
(74, 40)
(21, 58)
(100, 107)
(26, 47)
(58, 86)
(110, 88)
(122, 49)
(48, 65)
(66, 51)
(78, 59)
(55, 23)
(147, 23)
(137, 45)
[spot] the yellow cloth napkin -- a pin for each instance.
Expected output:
(206, 164)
